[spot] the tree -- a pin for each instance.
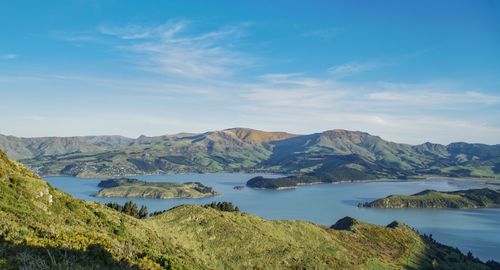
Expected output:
(222, 206)
(143, 212)
(469, 255)
(130, 208)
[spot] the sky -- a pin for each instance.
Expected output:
(408, 71)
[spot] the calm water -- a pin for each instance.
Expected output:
(474, 230)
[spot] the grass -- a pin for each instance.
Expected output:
(40, 225)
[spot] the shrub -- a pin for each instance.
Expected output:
(130, 208)
(223, 206)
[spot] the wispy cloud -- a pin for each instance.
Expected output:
(9, 56)
(200, 68)
(324, 33)
(170, 49)
(310, 104)
(293, 91)
(430, 95)
(352, 68)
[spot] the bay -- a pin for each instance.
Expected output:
(474, 230)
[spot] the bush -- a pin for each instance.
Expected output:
(130, 208)
(223, 206)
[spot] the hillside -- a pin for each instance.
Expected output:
(42, 227)
(472, 198)
(26, 148)
(332, 155)
(133, 188)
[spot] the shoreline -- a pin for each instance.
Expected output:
(485, 181)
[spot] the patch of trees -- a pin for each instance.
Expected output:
(130, 208)
(223, 206)
(494, 265)
(444, 251)
(201, 188)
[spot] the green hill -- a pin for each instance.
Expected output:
(332, 155)
(472, 198)
(44, 228)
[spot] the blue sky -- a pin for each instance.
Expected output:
(408, 71)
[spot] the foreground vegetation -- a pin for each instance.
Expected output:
(44, 228)
(472, 198)
(129, 208)
(133, 188)
(223, 206)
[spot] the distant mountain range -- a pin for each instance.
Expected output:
(336, 154)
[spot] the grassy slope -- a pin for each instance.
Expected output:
(473, 198)
(40, 225)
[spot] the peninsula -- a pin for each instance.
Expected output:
(134, 188)
(472, 198)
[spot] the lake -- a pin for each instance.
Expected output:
(476, 230)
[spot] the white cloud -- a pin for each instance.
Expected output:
(352, 68)
(430, 95)
(301, 104)
(197, 90)
(9, 56)
(170, 49)
(294, 91)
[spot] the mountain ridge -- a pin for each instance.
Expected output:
(250, 150)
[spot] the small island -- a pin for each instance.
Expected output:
(134, 188)
(322, 175)
(472, 198)
(238, 188)
(288, 182)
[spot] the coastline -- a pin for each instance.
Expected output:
(486, 181)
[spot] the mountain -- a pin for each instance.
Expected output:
(44, 228)
(332, 155)
(23, 148)
(258, 137)
(472, 198)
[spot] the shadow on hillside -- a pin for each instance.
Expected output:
(22, 256)
(440, 256)
(422, 252)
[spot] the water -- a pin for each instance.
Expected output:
(469, 230)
